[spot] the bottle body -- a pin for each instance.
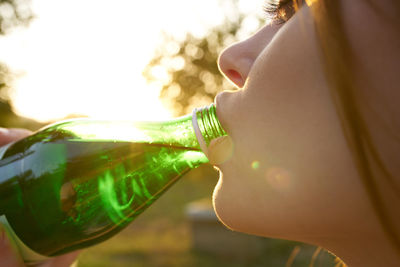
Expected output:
(80, 182)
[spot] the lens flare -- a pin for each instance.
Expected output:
(255, 165)
(280, 179)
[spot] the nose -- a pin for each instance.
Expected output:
(236, 61)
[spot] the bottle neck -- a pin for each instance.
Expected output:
(206, 126)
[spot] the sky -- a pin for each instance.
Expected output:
(86, 56)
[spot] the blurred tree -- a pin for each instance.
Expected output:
(188, 74)
(13, 13)
(188, 70)
(4, 80)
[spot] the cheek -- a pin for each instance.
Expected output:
(231, 202)
(291, 174)
(292, 179)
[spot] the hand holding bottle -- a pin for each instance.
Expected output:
(9, 255)
(12, 134)
(76, 183)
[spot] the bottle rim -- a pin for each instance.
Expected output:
(197, 131)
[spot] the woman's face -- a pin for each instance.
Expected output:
(291, 174)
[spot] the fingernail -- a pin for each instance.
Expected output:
(5, 136)
(3, 237)
(9, 255)
(19, 132)
(3, 130)
(8, 135)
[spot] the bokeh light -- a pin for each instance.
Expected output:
(87, 57)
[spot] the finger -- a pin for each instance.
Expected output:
(12, 134)
(65, 260)
(8, 256)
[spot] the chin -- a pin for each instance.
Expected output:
(223, 204)
(240, 214)
(231, 210)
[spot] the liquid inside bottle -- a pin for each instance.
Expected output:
(78, 183)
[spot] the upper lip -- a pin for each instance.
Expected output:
(219, 104)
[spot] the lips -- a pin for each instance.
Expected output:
(219, 100)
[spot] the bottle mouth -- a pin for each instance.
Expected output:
(206, 126)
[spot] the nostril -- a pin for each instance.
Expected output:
(235, 77)
(234, 74)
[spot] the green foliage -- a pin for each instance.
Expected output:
(188, 69)
(12, 13)
(7, 117)
(4, 77)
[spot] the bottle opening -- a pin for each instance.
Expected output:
(206, 126)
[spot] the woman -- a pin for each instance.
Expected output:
(315, 126)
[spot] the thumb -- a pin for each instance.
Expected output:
(12, 134)
(8, 255)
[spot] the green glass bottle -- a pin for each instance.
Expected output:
(79, 182)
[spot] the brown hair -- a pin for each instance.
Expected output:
(340, 69)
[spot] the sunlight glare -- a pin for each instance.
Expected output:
(87, 57)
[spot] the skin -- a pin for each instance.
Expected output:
(291, 174)
(9, 257)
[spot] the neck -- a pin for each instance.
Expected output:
(370, 251)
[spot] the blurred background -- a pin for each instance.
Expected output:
(137, 60)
